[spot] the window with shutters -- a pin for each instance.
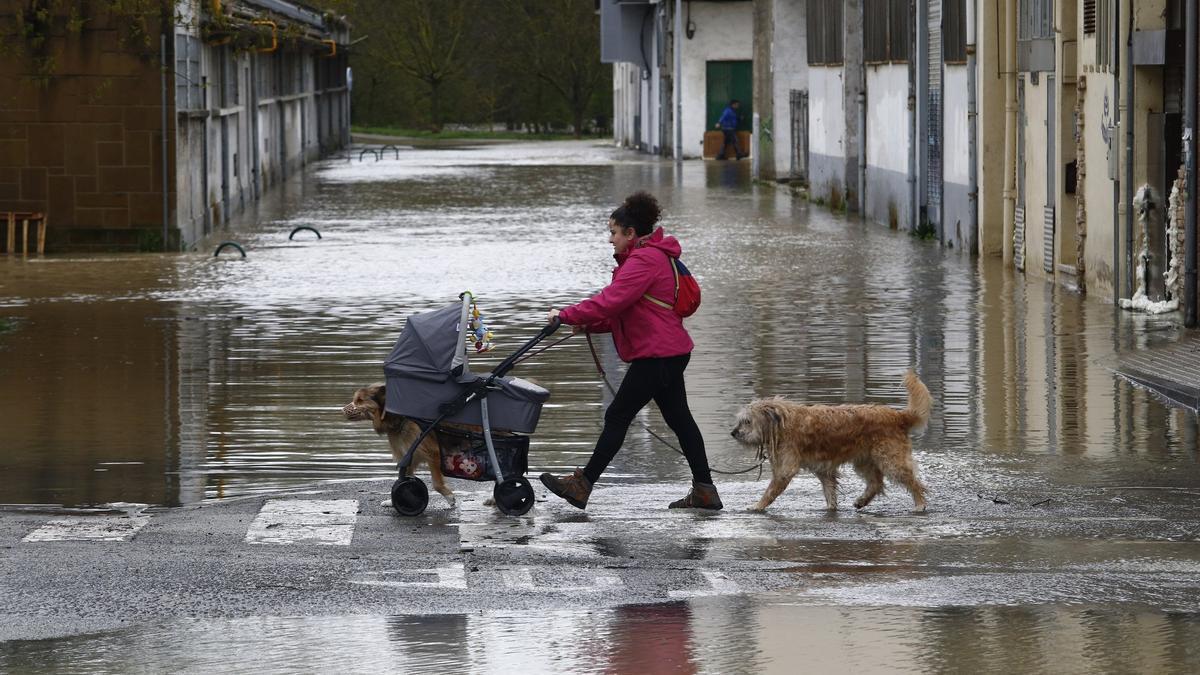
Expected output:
(824, 23)
(954, 31)
(1104, 32)
(885, 31)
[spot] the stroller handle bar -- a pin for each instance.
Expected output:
(479, 387)
(507, 364)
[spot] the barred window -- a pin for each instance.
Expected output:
(1036, 19)
(885, 31)
(824, 24)
(188, 94)
(954, 31)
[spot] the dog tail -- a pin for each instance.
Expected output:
(919, 400)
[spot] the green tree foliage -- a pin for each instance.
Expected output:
(560, 46)
(522, 64)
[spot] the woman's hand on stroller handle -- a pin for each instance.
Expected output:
(553, 320)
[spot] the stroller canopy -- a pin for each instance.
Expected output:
(428, 346)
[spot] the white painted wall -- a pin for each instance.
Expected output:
(888, 130)
(956, 153)
(826, 112)
(724, 32)
(790, 70)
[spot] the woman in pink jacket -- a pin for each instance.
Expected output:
(652, 339)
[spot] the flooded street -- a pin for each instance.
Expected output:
(1064, 510)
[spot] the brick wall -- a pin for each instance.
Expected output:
(84, 144)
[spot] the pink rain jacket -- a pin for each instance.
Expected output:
(640, 328)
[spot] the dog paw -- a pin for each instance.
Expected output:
(489, 502)
(450, 501)
(387, 503)
(756, 509)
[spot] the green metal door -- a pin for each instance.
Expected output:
(727, 80)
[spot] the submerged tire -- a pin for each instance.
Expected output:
(409, 496)
(514, 497)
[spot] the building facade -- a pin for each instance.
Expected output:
(1025, 129)
(714, 66)
(244, 92)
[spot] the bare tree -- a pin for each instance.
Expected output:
(558, 42)
(423, 39)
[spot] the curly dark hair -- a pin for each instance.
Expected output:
(640, 211)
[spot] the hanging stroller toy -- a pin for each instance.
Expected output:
(428, 382)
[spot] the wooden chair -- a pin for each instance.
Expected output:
(25, 218)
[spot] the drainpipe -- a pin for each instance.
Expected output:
(1010, 127)
(1116, 198)
(678, 44)
(755, 130)
(921, 108)
(972, 148)
(163, 72)
(1189, 158)
(862, 150)
(1129, 120)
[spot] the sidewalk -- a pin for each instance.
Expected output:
(1171, 371)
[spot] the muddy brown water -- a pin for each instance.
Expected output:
(176, 379)
(169, 379)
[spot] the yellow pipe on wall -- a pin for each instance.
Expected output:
(274, 39)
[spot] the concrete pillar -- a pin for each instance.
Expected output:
(853, 86)
(763, 142)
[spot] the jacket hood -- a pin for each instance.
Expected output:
(656, 239)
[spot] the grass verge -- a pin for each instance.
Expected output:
(451, 134)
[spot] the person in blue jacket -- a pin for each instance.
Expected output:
(728, 126)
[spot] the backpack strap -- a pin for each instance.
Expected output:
(660, 303)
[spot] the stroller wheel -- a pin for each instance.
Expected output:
(409, 496)
(514, 497)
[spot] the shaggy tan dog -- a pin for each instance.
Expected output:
(370, 403)
(820, 438)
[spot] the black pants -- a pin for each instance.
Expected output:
(660, 380)
(730, 139)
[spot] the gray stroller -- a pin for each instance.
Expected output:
(428, 381)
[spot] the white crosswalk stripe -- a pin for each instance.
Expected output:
(309, 521)
(718, 584)
(89, 528)
(521, 579)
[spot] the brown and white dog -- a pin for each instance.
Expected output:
(370, 402)
(820, 438)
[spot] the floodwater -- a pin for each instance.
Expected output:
(723, 636)
(176, 379)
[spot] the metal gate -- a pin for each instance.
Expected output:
(933, 177)
(1019, 213)
(799, 106)
(1051, 163)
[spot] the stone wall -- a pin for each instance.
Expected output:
(83, 143)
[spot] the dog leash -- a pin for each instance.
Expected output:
(762, 455)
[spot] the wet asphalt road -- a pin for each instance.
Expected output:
(1127, 548)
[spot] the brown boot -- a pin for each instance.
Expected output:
(702, 496)
(574, 488)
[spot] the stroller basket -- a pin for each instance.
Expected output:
(429, 381)
(468, 458)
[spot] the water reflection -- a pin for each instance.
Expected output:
(174, 379)
(707, 635)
